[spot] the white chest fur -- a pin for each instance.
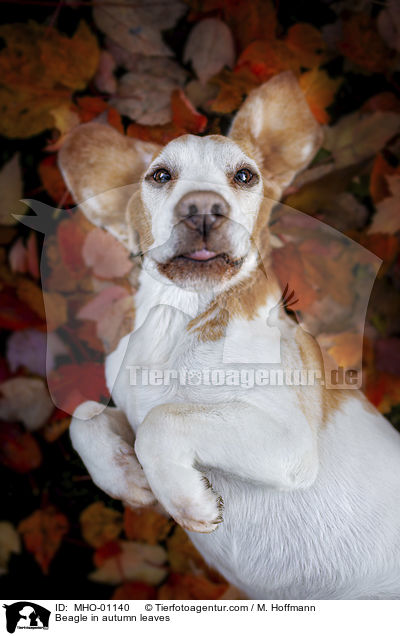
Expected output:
(337, 538)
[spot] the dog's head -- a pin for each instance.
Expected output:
(196, 207)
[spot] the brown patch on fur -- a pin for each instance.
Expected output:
(242, 300)
(367, 405)
(138, 220)
(123, 458)
(330, 400)
(260, 235)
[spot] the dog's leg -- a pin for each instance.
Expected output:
(174, 440)
(105, 441)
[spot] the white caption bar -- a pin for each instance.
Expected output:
(181, 617)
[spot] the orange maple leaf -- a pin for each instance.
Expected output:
(319, 90)
(42, 534)
(378, 185)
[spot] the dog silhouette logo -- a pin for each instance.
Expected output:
(26, 615)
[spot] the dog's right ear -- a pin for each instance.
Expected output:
(102, 170)
(276, 127)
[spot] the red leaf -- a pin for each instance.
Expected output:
(378, 185)
(71, 237)
(184, 115)
(157, 134)
(90, 107)
(72, 384)
(53, 181)
(363, 45)
(387, 355)
(106, 551)
(18, 450)
(15, 315)
(386, 102)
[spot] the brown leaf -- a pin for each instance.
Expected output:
(182, 555)
(362, 44)
(233, 88)
(191, 587)
(42, 533)
(53, 182)
(146, 524)
(307, 43)
(135, 591)
(56, 427)
(289, 267)
(39, 70)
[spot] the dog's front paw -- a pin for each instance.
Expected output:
(182, 490)
(133, 488)
(104, 440)
(200, 514)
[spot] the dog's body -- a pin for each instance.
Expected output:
(308, 476)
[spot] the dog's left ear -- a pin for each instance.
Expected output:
(276, 127)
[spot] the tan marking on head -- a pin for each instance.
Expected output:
(139, 221)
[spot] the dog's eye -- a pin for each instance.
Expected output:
(243, 176)
(161, 176)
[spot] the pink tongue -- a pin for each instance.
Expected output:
(201, 255)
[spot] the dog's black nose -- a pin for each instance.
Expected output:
(202, 211)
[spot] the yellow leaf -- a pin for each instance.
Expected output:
(182, 555)
(56, 310)
(100, 524)
(346, 350)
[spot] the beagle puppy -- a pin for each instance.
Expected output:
(291, 492)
